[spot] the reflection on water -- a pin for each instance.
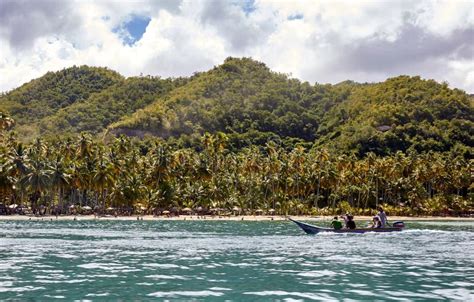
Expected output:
(240, 261)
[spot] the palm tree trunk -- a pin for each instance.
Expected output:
(60, 199)
(317, 192)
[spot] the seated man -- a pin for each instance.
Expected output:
(376, 224)
(336, 224)
(350, 223)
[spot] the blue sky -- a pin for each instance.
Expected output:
(131, 31)
(313, 40)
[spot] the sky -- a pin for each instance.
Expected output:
(316, 41)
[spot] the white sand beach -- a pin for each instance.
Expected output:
(220, 218)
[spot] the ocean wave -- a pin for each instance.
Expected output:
(309, 296)
(177, 294)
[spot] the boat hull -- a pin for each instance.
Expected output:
(312, 229)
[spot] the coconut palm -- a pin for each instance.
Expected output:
(36, 181)
(103, 180)
(60, 180)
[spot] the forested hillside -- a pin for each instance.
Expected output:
(252, 105)
(107, 106)
(242, 98)
(402, 113)
(236, 136)
(45, 96)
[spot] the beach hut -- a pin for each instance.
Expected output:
(140, 208)
(236, 210)
(72, 209)
(110, 210)
(215, 211)
(187, 211)
(271, 212)
(166, 212)
(13, 208)
(22, 209)
(258, 211)
(86, 210)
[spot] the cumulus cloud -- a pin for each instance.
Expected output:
(323, 41)
(21, 22)
(413, 45)
(240, 31)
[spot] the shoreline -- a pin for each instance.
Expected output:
(216, 218)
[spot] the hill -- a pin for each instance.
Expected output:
(403, 113)
(46, 95)
(107, 106)
(242, 98)
(251, 104)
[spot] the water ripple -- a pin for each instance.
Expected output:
(222, 260)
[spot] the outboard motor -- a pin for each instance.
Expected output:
(398, 224)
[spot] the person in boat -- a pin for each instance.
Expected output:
(382, 216)
(376, 224)
(350, 223)
(336, 224)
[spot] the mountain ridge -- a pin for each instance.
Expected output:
(251, 104)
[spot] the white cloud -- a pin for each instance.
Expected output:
(332, 42)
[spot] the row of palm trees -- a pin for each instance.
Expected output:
(154, 175)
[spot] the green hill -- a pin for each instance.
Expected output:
(242, 98)
(46, 95)
(251, 104)
(403, 113)
(107, 106)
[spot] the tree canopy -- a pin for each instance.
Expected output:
(43, 97)
(252, 105)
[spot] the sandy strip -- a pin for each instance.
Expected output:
(221, 218)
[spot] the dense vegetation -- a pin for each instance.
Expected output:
(45, 96)
(275, 143)
(401, 114)
(253, 105)
(107, 106)
(243, 99)
(250, 104)
(153, 175)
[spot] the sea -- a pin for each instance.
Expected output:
(232, 261)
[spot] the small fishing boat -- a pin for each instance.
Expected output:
(312, 229)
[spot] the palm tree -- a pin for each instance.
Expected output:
(161, 174)
(60, 180)
(85, 146)
(103, 179)
(36, 181)
(7, 182)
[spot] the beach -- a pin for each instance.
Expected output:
(221, 218)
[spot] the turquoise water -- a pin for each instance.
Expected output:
(232, 261)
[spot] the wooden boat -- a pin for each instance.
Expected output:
(312, 229)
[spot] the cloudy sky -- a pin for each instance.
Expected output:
(316, 41)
